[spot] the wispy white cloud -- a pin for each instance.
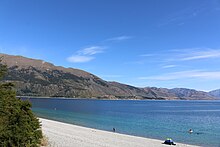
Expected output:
(214, 75)
(169, 66)
(188, 54)
(86, 54)
(91, 50)
(210, 53)
(142, 59)
(178, 57)
(79, 59)
(119, 38)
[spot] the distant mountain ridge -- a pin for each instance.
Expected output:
(215, 93)
(39, 78)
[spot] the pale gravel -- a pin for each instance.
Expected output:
(67, 135)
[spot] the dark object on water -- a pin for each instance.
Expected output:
(113, 129)
(169, 141)
(190, 131)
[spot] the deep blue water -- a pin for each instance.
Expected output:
(152, 119)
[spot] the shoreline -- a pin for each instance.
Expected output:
(61, 134)
(66, 98)
(78, 98)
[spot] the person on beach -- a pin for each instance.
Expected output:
(113, 129)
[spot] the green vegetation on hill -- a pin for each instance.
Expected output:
(18, 125)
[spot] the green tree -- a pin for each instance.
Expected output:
(19, 127)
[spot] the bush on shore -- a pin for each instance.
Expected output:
(19, 127)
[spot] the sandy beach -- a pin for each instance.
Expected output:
(67, 135)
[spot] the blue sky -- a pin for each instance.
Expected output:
(161, 43)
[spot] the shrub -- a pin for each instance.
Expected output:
(19, 127)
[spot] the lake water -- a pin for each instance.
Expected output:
(152, 119)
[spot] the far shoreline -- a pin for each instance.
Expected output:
(74, 98)
(66, 98)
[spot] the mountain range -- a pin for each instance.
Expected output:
(42, 79)
(215, 93)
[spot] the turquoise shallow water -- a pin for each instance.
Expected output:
(152, 119)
